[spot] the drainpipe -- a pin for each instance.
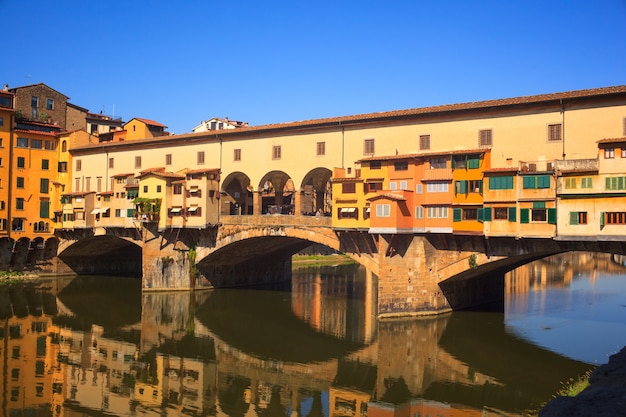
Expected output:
(343, 145)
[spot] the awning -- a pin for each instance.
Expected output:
(95, 211)
(192, 209)
(348, 210)
(194, 189)
(175, 210)
(104, 209)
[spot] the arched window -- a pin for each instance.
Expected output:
(64, 146)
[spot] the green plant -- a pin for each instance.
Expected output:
(472, 261)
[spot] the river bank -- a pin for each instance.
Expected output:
(605, 395)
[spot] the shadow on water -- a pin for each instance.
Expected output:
(261, 323)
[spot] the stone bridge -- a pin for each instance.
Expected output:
(417, 274)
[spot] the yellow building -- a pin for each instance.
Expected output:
(137, 128)
(467, 178)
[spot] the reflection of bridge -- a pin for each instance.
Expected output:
(422, 356)
(416, 273)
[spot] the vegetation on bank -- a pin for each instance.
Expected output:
(313, 260)
(11, 277)
(570, 388)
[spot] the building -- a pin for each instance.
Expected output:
(38, 102)
(216, 123)
(6, 148)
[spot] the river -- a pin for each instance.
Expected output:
(95, 345)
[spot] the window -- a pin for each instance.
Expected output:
(19, 182)
(34, 102)
(111, 163)
(393, 185)
(22, 142)
(623, 154)
(158, 188)
(200, 157)
(321, 148)
(375, 164)
(168, 159)
(36, 144)
(383, 210)
(500, 213)
(49, 104)
(276, 152)
(77, 184)
(45, 164)
(615, 183)
(570, 183)
(401, 166)
(178, 189)
(470, 214)
(50, 145)
(368, 147)
(536, 181)
(347, 213)
(62, 167)
(404, 185)
(64, 146)
(99, 186)
(237, 155)
(44, 213)
(1, 124)
(137, 162)
(424, 142)
(586, 182)
(19, 203)
(484, 138)
(418, 189)
(79, 165)
(609, 153)
(44, 184)
(348, 188)
(87, 183)
(501, 183)
(145, 188)
(554, 132)
(371, 187)
(21, 162)
(615, 217)
(577, 217)
(419, 212)
(437, 187)
(437, 163)
(437, 212)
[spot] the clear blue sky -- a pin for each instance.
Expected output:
(181, 62)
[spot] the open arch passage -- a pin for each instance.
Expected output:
(237, 195)
(103, 255)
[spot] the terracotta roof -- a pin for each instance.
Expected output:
(162, 174)
(388, 196)
(424, 154)
(106, 193)
(77, 193)
(123, 175)
(148, 122)
(553, 98)
(497, 170)
(612, 140)
(201, 171)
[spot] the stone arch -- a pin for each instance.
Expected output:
(316, 191)
(236, 195)
(20, 252)
(277, 193)
(6, 251)
(103, 254)
(35, 250)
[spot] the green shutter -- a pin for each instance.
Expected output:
(524, 215)
(473, 163)
(512, 214)
(602, 219)
(44, 209)
(552, 215)
(530, 182)
(487, 214)
(573, 217)
(463, 187)
(480, 214)
(130, 212)
(456, 214)
(543, 181)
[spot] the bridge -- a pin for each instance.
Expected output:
(416, 273)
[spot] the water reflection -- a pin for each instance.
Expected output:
(96, 345)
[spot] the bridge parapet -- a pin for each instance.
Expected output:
(276, 220)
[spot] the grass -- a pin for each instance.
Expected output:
(11, 277)
(570, 388)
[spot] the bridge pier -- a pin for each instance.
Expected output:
(415, 277)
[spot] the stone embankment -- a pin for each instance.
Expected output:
(605, 396)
